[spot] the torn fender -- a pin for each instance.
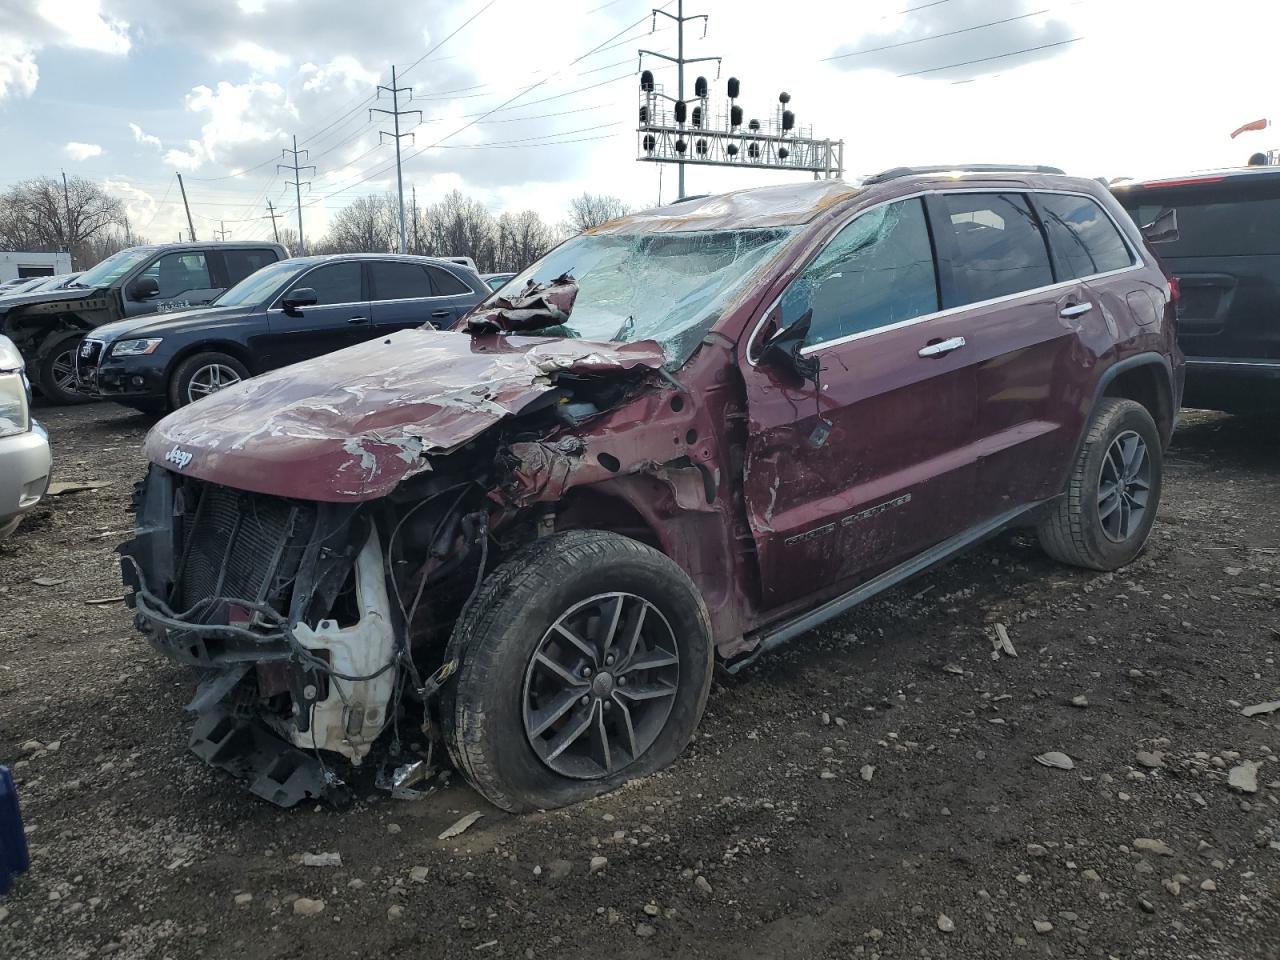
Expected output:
(351, 425)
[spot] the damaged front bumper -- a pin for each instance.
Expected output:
(284, 607)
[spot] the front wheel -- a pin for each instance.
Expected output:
(1103, 520)
(56, 371)
(202, 374)
(584, 662)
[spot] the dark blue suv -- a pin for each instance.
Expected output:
(289, 311)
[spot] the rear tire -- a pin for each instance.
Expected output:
(56, 371)
(202, 374)
(505, 688)
(1105, 517)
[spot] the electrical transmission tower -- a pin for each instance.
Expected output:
(680, 60)
(395, 113)
(297, 183)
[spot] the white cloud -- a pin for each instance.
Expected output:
(18, 71)
(82, 151)
(82, 24)
(146, 139)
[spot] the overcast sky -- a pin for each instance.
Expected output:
(129, 91)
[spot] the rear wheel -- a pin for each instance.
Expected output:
(584, 662)
(203, 374)
(1105, 517)
(56, 371)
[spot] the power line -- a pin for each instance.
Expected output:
(296, 182)
(395, 113)
(1002, 56)
(449, 37)
(936, 36)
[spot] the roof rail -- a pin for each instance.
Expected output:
(896, 172)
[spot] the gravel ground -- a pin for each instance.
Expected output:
(870, 791)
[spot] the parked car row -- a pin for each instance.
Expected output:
(688, 435)
(288, 311)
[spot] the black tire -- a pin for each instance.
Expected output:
(484, 704)
(1075, 532)
(198, 363)
(55, 361)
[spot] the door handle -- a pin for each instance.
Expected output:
(942, 347)
(441, 314)
(1075, 310)
(358, 320)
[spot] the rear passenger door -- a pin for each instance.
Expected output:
(401, 295)
(1026, 337)
(339, 319)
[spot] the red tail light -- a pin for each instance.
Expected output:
(1175, 291)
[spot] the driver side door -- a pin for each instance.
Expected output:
(184, 281)
(869, 466)
(339, 318)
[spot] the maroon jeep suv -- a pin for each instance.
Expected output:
(686, 435)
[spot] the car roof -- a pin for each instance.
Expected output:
(793, 204)
(410, 257)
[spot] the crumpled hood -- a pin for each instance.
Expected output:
(158, 324)
(70, 295)
(353, 424)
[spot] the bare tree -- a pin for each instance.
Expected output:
(366, 225)
(38, 214)
(592, 209)
(104, 245)
(521, 239)
(459, 227)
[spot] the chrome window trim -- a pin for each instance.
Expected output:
(1207, 362)
(1138, 264)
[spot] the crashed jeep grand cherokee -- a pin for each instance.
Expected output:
(688, 434)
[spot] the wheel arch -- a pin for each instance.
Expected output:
(230, 347)
(1146, 379)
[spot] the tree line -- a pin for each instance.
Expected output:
(41, 214)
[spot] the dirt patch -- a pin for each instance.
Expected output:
(869, 791)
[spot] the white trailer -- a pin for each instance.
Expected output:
(17, 264)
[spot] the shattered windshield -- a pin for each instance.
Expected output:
(668, 287)
(113, 268)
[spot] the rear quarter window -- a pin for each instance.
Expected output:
(1083, 238)
(446, 284)
(242, 263)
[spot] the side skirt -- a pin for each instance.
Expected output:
(775, 636)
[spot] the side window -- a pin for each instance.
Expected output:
(334, 282)
(997, 246)
(1083, 238)
(446, 284)
(241, 263)
(876, 271)
(393, 280)
(176, 273)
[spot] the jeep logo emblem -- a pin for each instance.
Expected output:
(178, 457)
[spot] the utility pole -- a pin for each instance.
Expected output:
(190, 226)
(416, 248)
(66, 203)
(222, 231)
(296, 182)
(395, 113)
(679, 60)
(271, 212)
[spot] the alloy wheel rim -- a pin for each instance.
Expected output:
(64, 371)
(600, 686)
(210, 379)
(1124, 486)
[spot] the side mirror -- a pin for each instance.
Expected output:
(301, 297)
(144, 288)
(781, 351)
(1163, 229)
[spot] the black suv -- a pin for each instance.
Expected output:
(1219, 234)
(289, 311)
(47, 325)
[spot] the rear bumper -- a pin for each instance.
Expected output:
(25, 462)
(1238, 386)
